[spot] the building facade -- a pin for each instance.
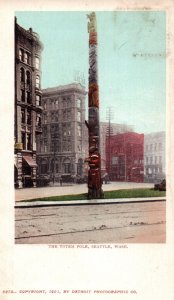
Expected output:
(28, 109)
(124, 157)
(62, 147)
(105, 131)
(154, 156)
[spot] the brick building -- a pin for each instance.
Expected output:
(28, 109)
(114, 128)
(124, 157)
(62, 147)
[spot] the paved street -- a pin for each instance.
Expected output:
(105, 223)
(57, 190)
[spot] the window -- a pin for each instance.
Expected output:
(80, 167)
(21, 54)
(28, 136)
(147, 160)
(44, 168)
(22, 75)
(28, 96)
(28, 117)
(22, 115)
(79, 130)
(23, 139)
(26, 58)
(37, 62)
(38, 100)
(28, 78)
(22, 95)
(160, 159)
(57, 103)
(78, 103)
(64, 102)
(78, 116)
(37, 81)
(45, 145)
(67, 166)
(79, 147)
(38, 120)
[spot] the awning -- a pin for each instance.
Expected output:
(30, 161)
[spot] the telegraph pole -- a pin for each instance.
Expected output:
(94, 159)
(109, 132)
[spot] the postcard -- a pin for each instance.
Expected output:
(86, 129)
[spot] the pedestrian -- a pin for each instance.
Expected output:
(61, 181)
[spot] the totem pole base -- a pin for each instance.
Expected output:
(95, 194)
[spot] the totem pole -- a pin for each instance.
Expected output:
(94, 160)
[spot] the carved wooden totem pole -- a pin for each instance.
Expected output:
(94, 160)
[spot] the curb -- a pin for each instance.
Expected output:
(87, 202)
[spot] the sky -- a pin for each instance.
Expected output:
(131, 60)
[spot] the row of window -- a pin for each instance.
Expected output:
(63, 102)
(66, 168)
(64, 116)
(25, 57)
(56, 146)
(25, 77)
(154, 171)
(67, 130)
(154, 160)
(154, 147)
(25, 96)
(122, 160)
(26, 117)
(56, 167)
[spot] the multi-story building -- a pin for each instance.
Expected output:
(107, 129)
(62, 147)
(154, 156)
(124, 157)
(28, 48)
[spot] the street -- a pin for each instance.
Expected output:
(141, 222)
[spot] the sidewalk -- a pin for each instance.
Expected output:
(34, 193)
(86, 202)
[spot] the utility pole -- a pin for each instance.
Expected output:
(109, 132)
(94, 159)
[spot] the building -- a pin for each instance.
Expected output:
(62, 147)
(28, 109)
(124, 157)
(105, 130)
(154, 156)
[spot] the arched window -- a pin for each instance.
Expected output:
(22, 75)
(37, 81)
(28, 77)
